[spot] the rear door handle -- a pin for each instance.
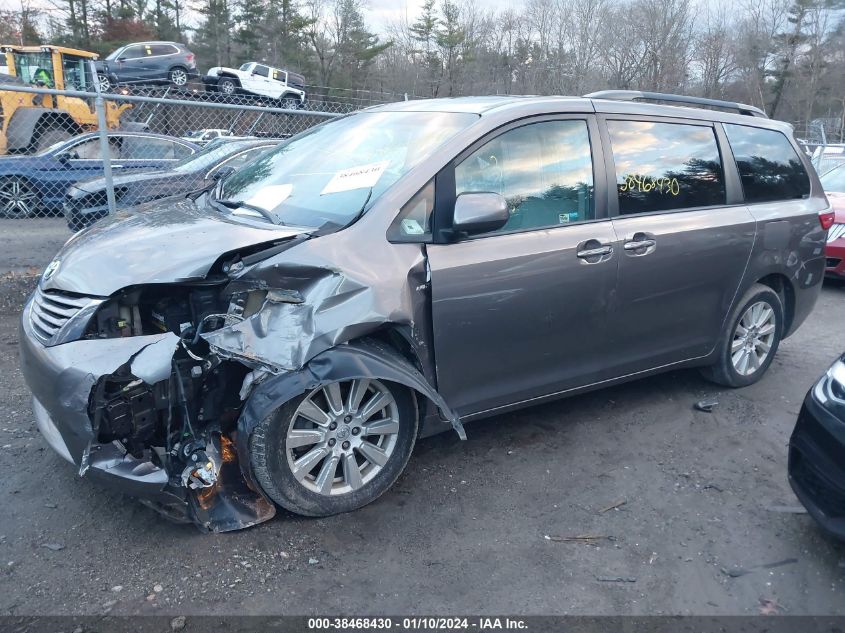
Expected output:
(633, 246)
(639, 244)
(595, 252)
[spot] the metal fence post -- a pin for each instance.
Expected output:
(100, 106)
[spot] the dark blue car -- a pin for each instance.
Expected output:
(36, 185)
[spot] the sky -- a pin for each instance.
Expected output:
(381, 13)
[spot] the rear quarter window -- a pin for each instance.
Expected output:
(769, 166)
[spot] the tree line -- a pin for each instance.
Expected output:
(786, 56)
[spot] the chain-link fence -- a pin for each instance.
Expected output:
(79, 155)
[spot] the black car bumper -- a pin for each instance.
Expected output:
(817, 463)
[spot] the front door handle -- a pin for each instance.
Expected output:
(593, 252)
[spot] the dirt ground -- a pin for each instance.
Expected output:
(684, 501)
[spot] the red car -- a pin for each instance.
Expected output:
(833, 183)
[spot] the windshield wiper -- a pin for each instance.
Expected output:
(235, 204)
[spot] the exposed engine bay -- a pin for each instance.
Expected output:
(185, 423)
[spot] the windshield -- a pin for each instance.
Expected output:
(34, 67)
(834, 180)
(329, 173)
(209, 157)
(245, 66)
(194, 134)
(114, 54)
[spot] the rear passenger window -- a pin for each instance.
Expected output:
(665, 166)
(543, 170)
(768, 165)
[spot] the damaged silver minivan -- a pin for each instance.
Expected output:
(286, 336)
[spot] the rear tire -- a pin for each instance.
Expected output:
(316, 458)
(178, 76)
(227, 86)
(750, 341)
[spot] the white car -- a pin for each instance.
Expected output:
(201, 137)
(258, 79)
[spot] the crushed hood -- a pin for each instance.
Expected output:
(163, 242)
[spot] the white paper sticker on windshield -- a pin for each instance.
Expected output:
(270, 197)
(362, 177)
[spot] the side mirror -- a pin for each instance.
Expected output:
(63, 158)
(480, 213)
(221, 173)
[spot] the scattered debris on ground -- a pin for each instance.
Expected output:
(707, 405)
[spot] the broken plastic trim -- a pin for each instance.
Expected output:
(365, 358)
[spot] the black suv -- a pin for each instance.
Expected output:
(148, 62)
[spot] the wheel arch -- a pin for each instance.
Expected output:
(382, 355)
(781, 284)
(228, 75)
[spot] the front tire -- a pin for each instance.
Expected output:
(18, 198)
(47, 136)
(751, 339)
(336, 448)
(105, 82)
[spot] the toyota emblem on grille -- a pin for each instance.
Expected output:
(52, 267)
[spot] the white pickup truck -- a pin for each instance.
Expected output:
(258, 79)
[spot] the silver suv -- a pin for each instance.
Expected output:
(285, 337)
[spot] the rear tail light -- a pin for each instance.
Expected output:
(826, 219)
(190, 58)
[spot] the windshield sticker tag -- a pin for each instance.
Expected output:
(362, 177)
(270, 197)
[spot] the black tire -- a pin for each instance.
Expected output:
(18, 198)
(290, 103)
(178, 76)
(270, 465)
(725, 371)
(227, 86)
(44, 137)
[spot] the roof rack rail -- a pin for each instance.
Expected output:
(636, 95)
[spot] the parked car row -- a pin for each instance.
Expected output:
(67, 178)
(172, 63)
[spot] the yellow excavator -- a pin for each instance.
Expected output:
(33, 122)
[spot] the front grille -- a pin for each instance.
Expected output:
(51, 309)
(835, 232)
(829, 498)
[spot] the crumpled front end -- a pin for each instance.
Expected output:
(113, 408)
(156, 388)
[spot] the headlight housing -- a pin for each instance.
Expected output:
(830, 390)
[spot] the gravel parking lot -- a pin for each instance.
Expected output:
(686, 512)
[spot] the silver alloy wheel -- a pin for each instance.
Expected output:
(753, 338)
(227, 87)
(178, 77)
(17, 198)
(342, 435)
(105, 84)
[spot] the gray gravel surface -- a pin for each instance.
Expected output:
(480, 526)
